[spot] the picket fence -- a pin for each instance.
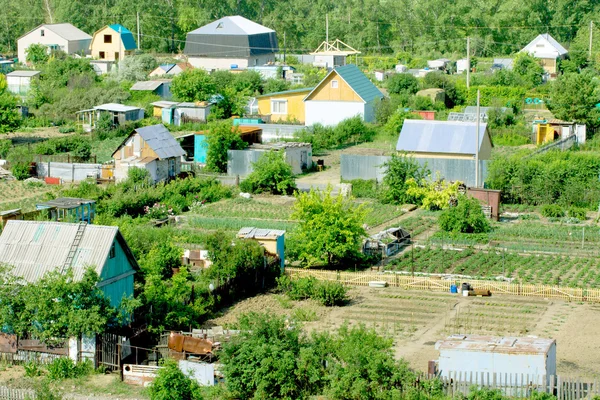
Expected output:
(7, 393)
(518, 385)
(436, 284)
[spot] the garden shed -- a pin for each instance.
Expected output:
(387, 242)
(70, 209)
(19, 82)
(119, 113)
(298, 155)
(160, 87)
(272, 240)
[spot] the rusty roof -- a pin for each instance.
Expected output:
(495, 344)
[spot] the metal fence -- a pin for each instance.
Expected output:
(562, 145)
(276, 132)
(439, 285)
(68, 172)
(354, 166)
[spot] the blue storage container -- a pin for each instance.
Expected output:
(453, 289)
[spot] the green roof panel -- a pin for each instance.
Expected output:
(359, 82)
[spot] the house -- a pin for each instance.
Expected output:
(70, 209)
(63, 37)
(152, 148)
(272, 240)
(444, 139)
(161, 87)
(297, 155)
(19, 82)
(231, 43)
(112, 43)
(34, 248)
(545, 48)
(170, 69)
(196, 145)
(344, 93)
(334, 54)
(284, 106)
(504, 356)
(387, 242)
(502, 63)
(554, 129)
(121, 114)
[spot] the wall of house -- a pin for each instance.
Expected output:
(343, 92)
(549, 65)
(81, 47)
(135, 146)
(162, 170)
(295, 106)
(276, 132)
(200, 148)
(332, 112)
(34, 37)
(121, 269)
(212, 63)
(109, 49)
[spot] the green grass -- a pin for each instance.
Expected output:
(235, 224)
(245, 208)
(105, 148)
(380, 213)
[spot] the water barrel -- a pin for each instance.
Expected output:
(453, 289)
(465, 286)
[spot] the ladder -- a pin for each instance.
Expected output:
(74, 246)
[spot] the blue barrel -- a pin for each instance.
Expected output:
(453, 289)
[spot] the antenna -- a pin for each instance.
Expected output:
(477, 143)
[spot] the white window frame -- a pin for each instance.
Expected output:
(335, 84)
(279, 103)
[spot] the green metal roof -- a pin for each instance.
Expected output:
(286, 92)
(359, 82)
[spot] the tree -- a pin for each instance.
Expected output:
(37, 54)
(9, 116)
(466, 217)
(3, 84)
(398, 170)
(403, 83)
(270, 174)
(529, 68)
(273, 85)
(330, 228)
(220, 138)
(441, 81)
(172, 384)
(573, 97)
(193, 85)
(135, 68)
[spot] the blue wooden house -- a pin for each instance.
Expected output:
(34, 248)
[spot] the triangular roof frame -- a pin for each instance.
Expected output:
(337, 47)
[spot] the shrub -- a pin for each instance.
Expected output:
(327, 293)
(271, 174)
(466, 217)
(399, 83)
(32, 369)
(302, 288)
(65, 368)
(172, 383)
(66, 129)
(552, 211)
(579, 213)
(330, 293)
(20, 171)
(362, 188)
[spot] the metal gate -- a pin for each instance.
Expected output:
(108, 351)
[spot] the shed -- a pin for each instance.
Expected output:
(297, 155)
(434, 94)
(64, 37)
(273, 240)
(444, 139)
(344, 93)
(170, 69)
(503, 356)
(70, 209)
(112, 43)
(120, 114)
(554, 129)
(545, 48)
(387, 242)
(232, 42)
(159, 106)
(34, 248)
(196, 146)
(490, 200)
(283, 106)
(462, 65)
(160, 87)
(19, 82)
(190, 112)
(502, 63)
(152, 148)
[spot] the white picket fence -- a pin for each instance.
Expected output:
(7, 393)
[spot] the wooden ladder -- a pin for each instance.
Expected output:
(74, 246)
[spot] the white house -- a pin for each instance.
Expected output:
(19, 82)
(231, 43)
(64, 37)
(547, 50)
(344, 93)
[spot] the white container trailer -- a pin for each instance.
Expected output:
(504, 356)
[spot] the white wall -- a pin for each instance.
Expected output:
(68, 172)
(293, 157)
(36, 37)
(332, 112)
(211, 63)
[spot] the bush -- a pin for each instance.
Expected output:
(362, 188)
(65, 368)
(579, 213)
(302, 288)
(403, 83)
(172, 383)
(466, 217)
(552, 211)
(327, 293)
(66, 129)
(271, 174)
(20, 171)
(32, 369)
(330, 293)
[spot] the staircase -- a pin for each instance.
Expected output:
(74, 246)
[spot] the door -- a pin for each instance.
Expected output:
(171, 167)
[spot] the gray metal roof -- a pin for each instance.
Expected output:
(165, 104)
(161, 141)
(65, 203)
(115, 107)
(23, 73)
(256, 233)
(68, 31)
(149, 85)
(558, 48)
(35, 248)
(422, 136)
(234, 25)
(494, 344)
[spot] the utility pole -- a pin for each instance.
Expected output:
(138, 29)
(284, 47)
(477, 143)
(468, 62)
(591, 33)
(327, 27)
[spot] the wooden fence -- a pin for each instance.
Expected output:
(518, 385)
(436, 284)
(7, 393)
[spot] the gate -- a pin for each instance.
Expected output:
(108, 351)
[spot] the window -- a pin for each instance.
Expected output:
(540, 45)
(112, 252)
(334, 84)
(102, 55)
(278, 106)
(220, 26)
(42, 33)
(107, 38)
(116, 56)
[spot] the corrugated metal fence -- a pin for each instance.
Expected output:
(68, 172)
(276, 132)
(354, 166)
(439, 285)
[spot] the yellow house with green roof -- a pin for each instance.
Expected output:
(284, 106)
